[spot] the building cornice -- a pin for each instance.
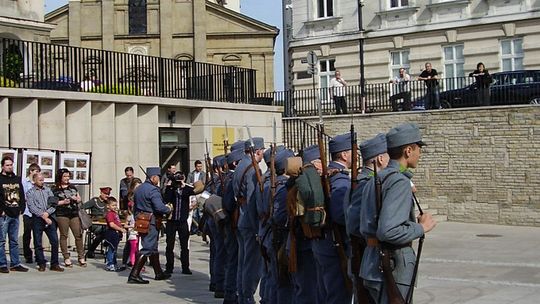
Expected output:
(26, 24)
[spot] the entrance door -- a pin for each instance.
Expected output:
(174, 149)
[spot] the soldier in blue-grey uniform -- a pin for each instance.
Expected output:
(245, 184)
(218, 254)
(396, 227)
(326, 251)
(304, 279)
(372, 150)
(148, 199)
(278, 288)
(229, 232)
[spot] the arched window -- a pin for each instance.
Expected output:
(137, 17)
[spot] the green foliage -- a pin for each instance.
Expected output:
(122, 89)
(12, 63)
(5, 82)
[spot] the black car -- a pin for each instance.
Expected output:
(60, 85)
(508, 88)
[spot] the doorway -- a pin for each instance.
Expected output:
(174, 149)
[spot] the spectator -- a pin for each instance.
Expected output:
(88, 83)
(12, 203)
(113, 234)
(27, 215)
(483, 81)
(166, 178)
(430, 77)
(42, 205)
(196, 175)
(403, 92)
(132, 244)
(97, 206)
(124, 186)
(337, 87)
(67, 215)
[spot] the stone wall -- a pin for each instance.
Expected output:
(481, 165)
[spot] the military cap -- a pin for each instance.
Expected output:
(281, 157)
(340, 143)
(218, 161)
(258, 143)
(310, 154)
(373, 146)
(404, 134)
(237, 145)
(235, 155)
(151, 171)
(268, 151)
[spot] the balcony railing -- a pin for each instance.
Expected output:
(518, 87)
(35, 65)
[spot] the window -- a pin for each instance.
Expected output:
(326, 73)
(512, 54)
(399, 59)
(137, 17)
(325, 8)
(453, 66)
(398, 3)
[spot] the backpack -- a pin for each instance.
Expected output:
(311, 194)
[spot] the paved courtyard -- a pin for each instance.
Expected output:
(461, 263)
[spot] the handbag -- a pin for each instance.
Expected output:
(86, 220)
(142, 222)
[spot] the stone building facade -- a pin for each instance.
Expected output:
(454, 35)
(205, 31)
(480, 165)
(22, 19)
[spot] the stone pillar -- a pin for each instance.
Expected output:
(148, 137)
(24, 123)
(74, 23)
(199, 31)
(79, 126)
(166, 28)
(107, 17)
(4, 122)
(52, 125)
(103, 146)
(127, 140)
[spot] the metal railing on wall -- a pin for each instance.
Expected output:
(35, 65)
(299, 134)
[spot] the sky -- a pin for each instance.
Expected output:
(267, 11)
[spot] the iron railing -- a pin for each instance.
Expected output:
(299, 134)
(517, 87)
(27, 64)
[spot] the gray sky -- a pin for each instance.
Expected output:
(268, 11)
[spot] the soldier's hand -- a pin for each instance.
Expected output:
(427, 222)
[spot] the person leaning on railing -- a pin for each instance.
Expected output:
(402, 84)
(483, 81)
(431, 79)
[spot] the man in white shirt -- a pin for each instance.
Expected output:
(28, 183)
(402, 91)
(338, 91)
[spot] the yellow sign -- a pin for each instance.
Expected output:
(218, 135)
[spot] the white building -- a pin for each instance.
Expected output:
(454, 35)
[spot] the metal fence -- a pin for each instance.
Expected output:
(298, 134)
(517, 87)
(27, 64)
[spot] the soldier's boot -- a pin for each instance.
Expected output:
(160, 275)
(135, 274)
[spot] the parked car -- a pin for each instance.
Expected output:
(60, 85)
(508, 88)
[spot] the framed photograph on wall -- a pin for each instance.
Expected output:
(78, 164)
(14, 154)
(46, 161)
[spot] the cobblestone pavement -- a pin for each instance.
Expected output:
(461, 263)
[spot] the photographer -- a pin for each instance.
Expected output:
(166, 179)
(177, 193)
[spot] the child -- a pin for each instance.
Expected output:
(113, 234)
(132, 237)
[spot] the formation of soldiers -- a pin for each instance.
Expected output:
(308, 231)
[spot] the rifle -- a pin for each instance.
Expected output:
(392, 291)
(273, 194)
(336, 233)
(254, 162)
(418, 253)
(226, 147)
(208, 163)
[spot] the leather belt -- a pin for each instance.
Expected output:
(374, 242)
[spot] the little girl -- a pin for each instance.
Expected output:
(113, 234)
(133, 238)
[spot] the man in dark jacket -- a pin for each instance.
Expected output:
(12, 202)
(178, 194)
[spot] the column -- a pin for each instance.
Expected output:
(52, 125)
(4, 122)
(127, 140)
(103, 146)
(24, 123)
(107, 19)
(74, 22)
(199, 31)
(148, 136)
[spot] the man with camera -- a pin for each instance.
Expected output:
(177, 193)
(166, 178)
